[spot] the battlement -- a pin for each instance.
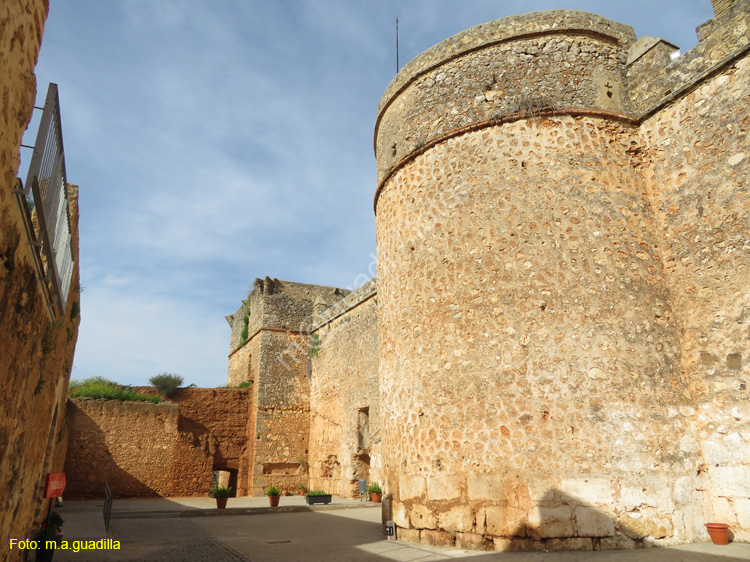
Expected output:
(276, 304)
(655, 78)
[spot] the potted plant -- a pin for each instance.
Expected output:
(221, 494)
(376, 492)
(273, 494)
(284, 492)
(51, 531)
(317, 496)
(302, 488)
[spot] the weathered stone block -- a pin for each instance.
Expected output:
(485, 487)
(640, 527)
(548, 522)
(517, 545)
(422, 517)
(575, 543)
(742, 509)
(437, 538)
(411, 535)
(592, 522)
(400, 514)
(593, 491)
(459, 518)
(410, 487)
(730, 481)
(506, 521)
(618, 542)
(723, 510)
(444, 487)
(469, 541)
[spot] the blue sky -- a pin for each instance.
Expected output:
(216, 141)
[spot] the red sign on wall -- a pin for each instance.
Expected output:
(55, 484)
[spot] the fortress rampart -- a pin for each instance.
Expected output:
(562, 216)
(345, 421)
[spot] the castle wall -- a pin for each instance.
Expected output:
(696, 155)
(530, 367)
(283, 411)
(244, 362)
(536, 376)
(560, 59)
(345, 396)
(654, 76)
(37, 354)
(169, 449)
(275, 358)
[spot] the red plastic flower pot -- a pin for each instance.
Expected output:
(719, 532)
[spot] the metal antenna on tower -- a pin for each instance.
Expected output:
(396, 45)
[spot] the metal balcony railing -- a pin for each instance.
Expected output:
(44, 206)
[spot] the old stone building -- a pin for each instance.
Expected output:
(562, 301)
(309, 354)
(555, 352)
(39, 327)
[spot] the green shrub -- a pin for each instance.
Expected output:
(317, 493)
(315, 342)
(374, 488)
(99, 387)
(246, 329)
(167, 383)
(272, 490)
(245, 384)
(220, 492)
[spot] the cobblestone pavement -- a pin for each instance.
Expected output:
(161, 532)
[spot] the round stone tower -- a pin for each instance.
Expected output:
(528, 356)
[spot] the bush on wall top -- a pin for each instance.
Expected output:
(99, 387)
(167, 383)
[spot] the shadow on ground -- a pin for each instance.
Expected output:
(351, 535)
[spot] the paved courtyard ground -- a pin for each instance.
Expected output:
(190, 529)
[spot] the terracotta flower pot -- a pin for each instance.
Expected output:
(376, 497)
(302, 492)
(719, 532)
(221, 503)
(274, 501)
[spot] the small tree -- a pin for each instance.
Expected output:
(167, 383)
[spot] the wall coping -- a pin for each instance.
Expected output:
(368, 290)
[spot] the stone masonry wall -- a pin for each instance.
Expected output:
(274, 357)
(219, 417)
(169, 449)
(654, 75)
(37, 354)
(128, 444)
(345, 397)
(562, 292)
(283, 411)
(696, 160)
(523, 63)
(521, 376)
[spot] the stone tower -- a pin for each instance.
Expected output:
(536, 223)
